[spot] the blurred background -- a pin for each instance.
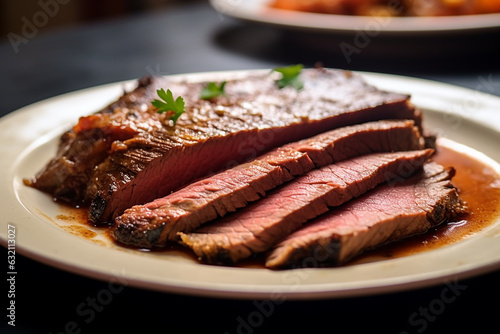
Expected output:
(51, 47)
(76, 12)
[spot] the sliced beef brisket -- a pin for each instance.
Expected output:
(256, 228)
(127, 154)
(156, 223)
(389, 212)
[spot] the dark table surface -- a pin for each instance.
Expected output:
(192, 38)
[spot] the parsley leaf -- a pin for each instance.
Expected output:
(168, 104)
(211, 90)
(290, 76)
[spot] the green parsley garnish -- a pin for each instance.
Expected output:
(168, 104)
(290, 76)
(212, 90)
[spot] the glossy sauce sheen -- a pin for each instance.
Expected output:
(479, 188)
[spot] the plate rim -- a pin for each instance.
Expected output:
(238, 290)
(251, 11)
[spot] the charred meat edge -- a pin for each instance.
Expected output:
(156, 223)
(256, 228)
(127, 154)
(390, 212)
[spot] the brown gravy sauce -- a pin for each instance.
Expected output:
(479, 188)
(478, 185)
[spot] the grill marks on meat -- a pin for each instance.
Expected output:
(156, 223)
(259, 226)
(212, 135)
(89, 142)
(93, 139)
(389, 212)
(141, 158)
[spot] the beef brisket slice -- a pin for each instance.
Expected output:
(389, 212)
(155, 223)
(95, 137)
(144, 158)
(256, 228)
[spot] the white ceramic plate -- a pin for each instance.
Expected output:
(43, 228)
(259, 11)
